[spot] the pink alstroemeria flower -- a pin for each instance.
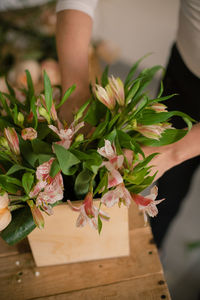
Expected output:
(153, 131)
(118, 195)
(12, 138)
(66, 135)
(51, 194)
(46, 181)
(114, 162)
(105, 96)
(148, 204)
(117, 87)
(29, 134)
(88, 212)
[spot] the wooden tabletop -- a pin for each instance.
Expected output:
(138, 277)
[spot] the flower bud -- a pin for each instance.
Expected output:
(106, 96)
(79, 138)
(117, 87)
(20, 118)
(12, 138)
(4, 143)
(29, 134)
(43, 112)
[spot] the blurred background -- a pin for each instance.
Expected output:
(123, 32)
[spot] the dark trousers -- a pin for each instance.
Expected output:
(174, 184)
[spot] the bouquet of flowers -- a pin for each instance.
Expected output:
(44, 161)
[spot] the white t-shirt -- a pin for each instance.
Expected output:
(188, 34)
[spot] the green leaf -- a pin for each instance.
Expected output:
(34, 111)
(95, 113)
(41, 147)
(65, 158)
(162, 99)
(132, 71)
(136, 177)
(9, 184)
(21, 225)
(99, 224)
(100, 130)
(146, 77)
(42, 158)
(143, 103)
(55, 168)
(66, 96)
(27, 182)
(150, 117)
(161, 89)
(27, 152)
(43, 130)
(133, 90)
(48, 92)
(139, 188)
(4, 104)
(16, 168)
(124, 139)
(10, 89)
(145, 162)
(5, 156)
(102, 184)
(82, 182)
(94, 162)
(30, 85)
(136, 148)
(104, 77)
(113, 121)
(81, 110)
(11, 180)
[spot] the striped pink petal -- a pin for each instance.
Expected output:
(12, 138)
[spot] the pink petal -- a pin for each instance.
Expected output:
(55, 129)
(74, 208)
(114, 178)
(110, 198)
(81, 221)
(12, 138)
(140, 200)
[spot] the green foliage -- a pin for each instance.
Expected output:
(21, 225)
(82, 165)
(27, 182)
(82, 182)
(66, 96)
(66, 159)
(48, 92)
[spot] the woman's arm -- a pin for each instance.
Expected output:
(73, 35)
(174, 154)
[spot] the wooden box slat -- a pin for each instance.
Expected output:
(150, 287)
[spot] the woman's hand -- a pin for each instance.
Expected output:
(173, 154)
